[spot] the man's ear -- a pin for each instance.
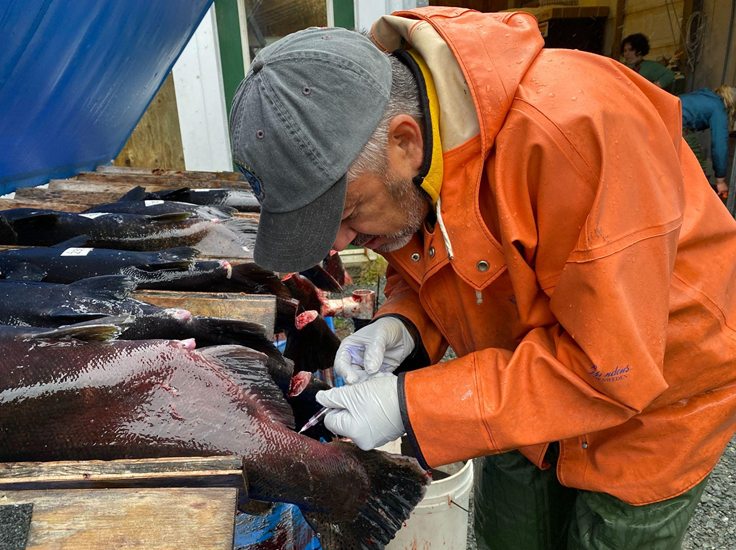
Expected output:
(405, 142)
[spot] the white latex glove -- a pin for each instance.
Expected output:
(379, 347)
(368, 413)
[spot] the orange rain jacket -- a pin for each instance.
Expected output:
(590, 296)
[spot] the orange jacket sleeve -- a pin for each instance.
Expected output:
(403, 301)
(602, 362)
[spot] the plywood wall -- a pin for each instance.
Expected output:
(156, 141)
(709, 69)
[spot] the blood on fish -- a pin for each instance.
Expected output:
(303, 319)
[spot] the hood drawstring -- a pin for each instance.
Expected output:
(443, 230)
(448, 244)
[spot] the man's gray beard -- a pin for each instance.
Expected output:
(403, 191)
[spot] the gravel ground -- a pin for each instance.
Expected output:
(714, 524)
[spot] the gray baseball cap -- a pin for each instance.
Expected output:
(299, 119)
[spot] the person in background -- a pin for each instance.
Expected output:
(716, 110)
(634, 47)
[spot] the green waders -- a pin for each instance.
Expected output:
(520, 507)
(692, 141)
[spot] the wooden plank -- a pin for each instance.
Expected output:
(173, 181)
(184, 174)
(140, 519)
(214, 471)
(243, 307)
(156, 141)
(62, 197)
(6, 204)
(120, 188)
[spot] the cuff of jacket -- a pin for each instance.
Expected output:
(407, 424)
(418, 358)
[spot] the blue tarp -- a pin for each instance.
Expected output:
(76, 76)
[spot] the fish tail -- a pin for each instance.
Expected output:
(397, 484)
(322, 279)
(312, 347)
(254, 279)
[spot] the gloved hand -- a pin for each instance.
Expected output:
(381, 346)
(368, 413)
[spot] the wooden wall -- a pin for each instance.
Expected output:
(156, 141)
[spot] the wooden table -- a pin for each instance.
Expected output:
(156, 504)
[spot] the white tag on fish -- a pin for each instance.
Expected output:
(152, 203)
(205, 190)
(77, 251)
(94, 215)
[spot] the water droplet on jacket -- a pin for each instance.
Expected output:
(507, 35)
(551, 94)
(574, 98)
(488, 88)
(519, 62)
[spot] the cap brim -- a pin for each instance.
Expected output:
(294, 241)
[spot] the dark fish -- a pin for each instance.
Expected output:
(304, 290)
(158, 207)
(311, 344)
(73, 260)
(130, 231)
(321, 279)
(334, 266)
(76, 400)
(55, 305)
(241, 200)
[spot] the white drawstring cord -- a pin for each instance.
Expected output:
(445, 236)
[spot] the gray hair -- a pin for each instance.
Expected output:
(404, 100)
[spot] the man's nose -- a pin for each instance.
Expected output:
(345, 236)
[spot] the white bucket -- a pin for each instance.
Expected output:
(440, 519)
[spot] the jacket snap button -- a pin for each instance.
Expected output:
(431, 252)
(415, 257)
(483, 265)
(585, 445)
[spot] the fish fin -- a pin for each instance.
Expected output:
(175, 258)
(256, 280)
(313, 347)
(305, 291)
(321, 279)
(80, 241)
(241, 225)
(68, 316)
(174, 217)
(397, 484)
(107, 328)
(249, 368)
(134, 195)
(26, 272)
(117, 287)
(174, 194)
(233, 331)
(334, 266)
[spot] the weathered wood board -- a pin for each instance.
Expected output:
(115, 519)
(6, 204)
(213, 471)
(108, 171)
(244, 307)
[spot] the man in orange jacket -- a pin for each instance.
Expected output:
(542, 216)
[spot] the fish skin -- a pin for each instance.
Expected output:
(322, 279)
(165, 207)
(55, 265)
(55, 305)
(100, 401)
(133, 232)
(116, 231)
(334, 266)
(240, 199)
